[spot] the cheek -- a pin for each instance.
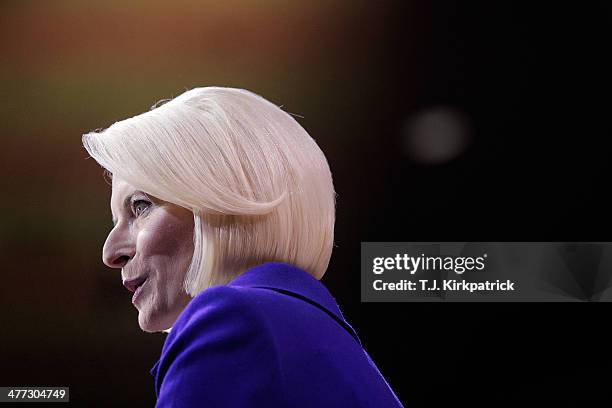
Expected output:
(164, 238)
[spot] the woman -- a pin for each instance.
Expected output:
(223, 209)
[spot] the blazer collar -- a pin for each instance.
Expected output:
(279, 275)
(291, 280)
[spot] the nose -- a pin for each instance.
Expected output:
(118, 249)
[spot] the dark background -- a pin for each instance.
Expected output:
(517, 151)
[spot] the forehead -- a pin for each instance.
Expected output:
(120, 189)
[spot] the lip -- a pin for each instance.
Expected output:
(139, 290)
(133, 284)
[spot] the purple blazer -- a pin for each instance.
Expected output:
(273, 337)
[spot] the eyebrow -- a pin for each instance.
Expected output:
(126, 203)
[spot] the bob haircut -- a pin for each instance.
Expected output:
(259, 186)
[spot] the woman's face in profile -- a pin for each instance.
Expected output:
(152, 243)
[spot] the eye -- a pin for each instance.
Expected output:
(140, 206)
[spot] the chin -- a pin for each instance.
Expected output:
(152, 325)
(159, 320)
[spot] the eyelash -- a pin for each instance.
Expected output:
(134, 205)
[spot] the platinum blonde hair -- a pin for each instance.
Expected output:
(259, 186)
